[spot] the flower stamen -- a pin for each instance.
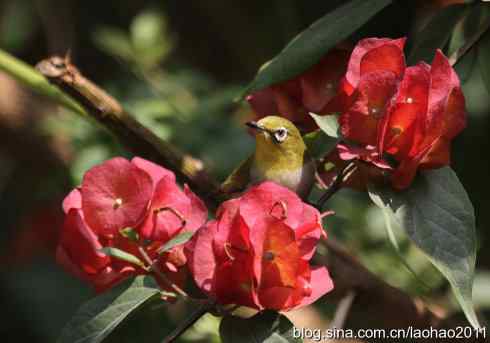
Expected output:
(117, 203)
(175, 212)
(284, 213)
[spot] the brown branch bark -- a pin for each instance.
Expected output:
(135, 137)
(385, 305)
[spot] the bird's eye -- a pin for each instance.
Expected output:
(280, 134)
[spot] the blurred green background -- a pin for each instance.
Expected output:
(177, 66)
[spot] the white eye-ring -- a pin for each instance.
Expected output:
(280, 134)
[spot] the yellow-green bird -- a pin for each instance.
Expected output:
(280, 156)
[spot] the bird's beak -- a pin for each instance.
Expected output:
(253, 125)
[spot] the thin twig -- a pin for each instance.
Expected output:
(342, 310)
(153, 266)
(336, 184)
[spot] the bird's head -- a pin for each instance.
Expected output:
(277, 134)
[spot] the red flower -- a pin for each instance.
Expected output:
(375, 69)
(409, 113)
(117, 195)
(429, 112)
(256, 253)
(316, 90)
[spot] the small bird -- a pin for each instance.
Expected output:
(280, 156)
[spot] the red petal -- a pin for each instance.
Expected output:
(280, 256)
(388, 57)
(79, 245)
(364, 46)
(276, 298)
(72, 200)
(169, 213)
(155, 171)
(109, 277)
(198, 213)
(402, 129)
(201, 259)
(115, 195)
(319, 84)
(263, 102)
(308, 234)
(320, 283)
(438, 154)
(361, 122)
(443, 79)
(265, 200)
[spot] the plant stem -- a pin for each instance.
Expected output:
(342, 310)
(153, 266)
(336, 184)
(31, 78)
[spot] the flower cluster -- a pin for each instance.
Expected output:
(409, 113)
(396, 118)
(318, 90)
(256, 253)
(126, 205)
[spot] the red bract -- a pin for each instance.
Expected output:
(375, 69)
(316, 90)
(115, 195)
(409, 113)
(118, 195)
(256, 253)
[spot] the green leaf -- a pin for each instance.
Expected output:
(96, 319)
(149, 323)
(327, 123)
(436, 33)
(319, 144)
(149, 37)
(438, 216)
(484, 59)
(181, 238)
(267, 326)
(114, 42)
(308, 47)
(122, 255)
(130, 233)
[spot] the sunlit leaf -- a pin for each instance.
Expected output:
(308, 47)
(96, 319)
(181, 238)
(266, 326)
(122, 255)
(437, 215)
(327, 123)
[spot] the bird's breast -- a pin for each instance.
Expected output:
(299, 180)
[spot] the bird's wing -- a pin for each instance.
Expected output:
(238, 180)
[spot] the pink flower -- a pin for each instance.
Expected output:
(118, 195)
(257, 252)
